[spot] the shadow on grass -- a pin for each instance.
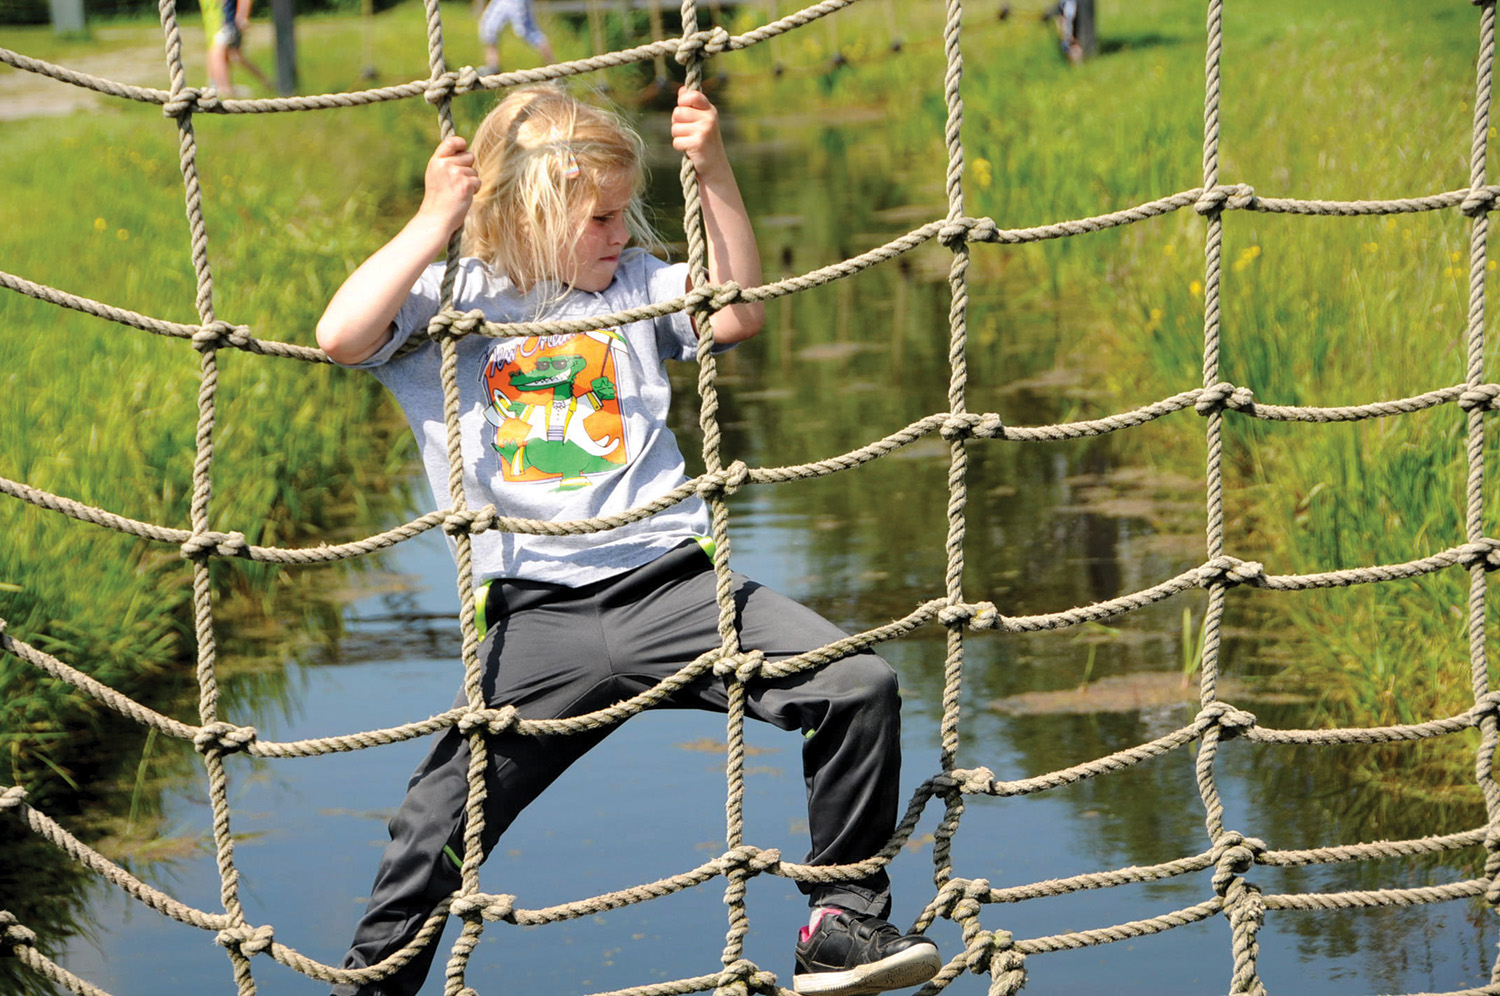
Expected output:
(1124, 43)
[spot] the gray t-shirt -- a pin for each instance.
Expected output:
(559, 427)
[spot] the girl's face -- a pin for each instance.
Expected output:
(596, 254)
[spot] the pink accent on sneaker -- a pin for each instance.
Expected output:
(815, 920)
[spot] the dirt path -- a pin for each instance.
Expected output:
(133, 55)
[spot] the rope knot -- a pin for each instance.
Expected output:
(12, 798)
(948, 898)
(724, 482)
(191, 99)
(727, 293)
(1008, 972)
(981, 949)
(751, 858)
(970, 900)
(1224, 395)
(974, 781)
(454, 324)
(1478, 201)
(1481, 398)
(1216, 199)
(440, 87)
(979, 615)
(959, 426)
(1492, 894)
(493, 721)
(220, 333)
(1492, 867)
(1232, 571)
(994, 951)
(467, 80)
(961, 230)
(702, 43)
(743, 976)
(1227, 718)
(1487, 704)
(201, 545)
(1481, 553)
(766, 860)
(986, 616)
(742, 666)
(492, 908)
(483, 519)
(972, 424)
(13, 934)
(223, 738)
(470, 520)
(1237, 855)
(247, 940)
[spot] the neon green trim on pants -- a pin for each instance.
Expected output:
(481, 598)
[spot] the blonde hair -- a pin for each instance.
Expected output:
(543, 158)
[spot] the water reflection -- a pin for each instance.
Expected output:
(1049, 526)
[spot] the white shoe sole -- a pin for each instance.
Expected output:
(911, 967)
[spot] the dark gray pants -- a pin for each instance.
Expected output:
(553, 651)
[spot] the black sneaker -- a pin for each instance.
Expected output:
(854, 954)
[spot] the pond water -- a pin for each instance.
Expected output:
(1050, 527)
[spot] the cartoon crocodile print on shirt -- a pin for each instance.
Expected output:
(545, 429)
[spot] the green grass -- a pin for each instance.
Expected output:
(303, 452)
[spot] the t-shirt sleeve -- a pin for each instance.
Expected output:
(665, 281)
(420, 305)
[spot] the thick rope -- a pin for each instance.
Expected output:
(1230, 856)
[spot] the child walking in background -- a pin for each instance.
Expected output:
(225, 21)
(574, 426)
(521, 16)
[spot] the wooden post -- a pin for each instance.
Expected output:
(67, 17)
(367, 20)
(1088, 35)
(833, 39)
(283, 17)
(596, 27)
(777, 66)
(657, 33)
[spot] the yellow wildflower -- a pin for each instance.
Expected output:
(1196, 288)
(122, 234)
(983, 175)
(100, 224)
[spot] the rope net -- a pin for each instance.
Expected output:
(1229, 854)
